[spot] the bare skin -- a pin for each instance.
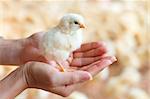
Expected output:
(40, 73)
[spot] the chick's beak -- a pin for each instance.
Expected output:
(82, 26)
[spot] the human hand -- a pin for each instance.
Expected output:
(86, 55)
(38, 75)
(44, 76)
(91, 57)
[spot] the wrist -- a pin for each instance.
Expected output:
(10, 51)
(13, 84)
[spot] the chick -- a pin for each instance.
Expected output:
(58, 42)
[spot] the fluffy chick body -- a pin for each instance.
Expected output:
(60, 41)
(58, 46)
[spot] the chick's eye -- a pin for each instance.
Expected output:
(75, 22)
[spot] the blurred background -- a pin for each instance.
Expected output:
(122, 24)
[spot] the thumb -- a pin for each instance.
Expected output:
(68, 78)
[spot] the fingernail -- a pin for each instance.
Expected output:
(87, 76)
(91, 78)
(113, 59)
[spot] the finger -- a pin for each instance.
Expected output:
(104, 57)
(95, 69)
(89, 46)
(68, 78)
(78, 62)
(91, 53)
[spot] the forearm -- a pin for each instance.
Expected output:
(10, 51)
(12, 85)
